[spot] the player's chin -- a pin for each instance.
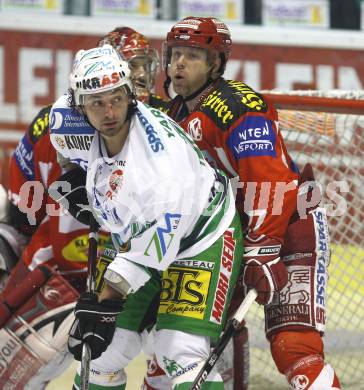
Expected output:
(179, 88)
(110, 129)
(108, 133)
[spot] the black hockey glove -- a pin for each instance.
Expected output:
(94, 324)
(74, 200)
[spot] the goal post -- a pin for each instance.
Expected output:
(326, 129)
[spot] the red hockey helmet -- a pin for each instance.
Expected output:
(131, 44)
(206, 33)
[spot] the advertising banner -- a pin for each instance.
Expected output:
(134, 8)
(227, 10)
(296, 13)
(39, 6)
(34, 69)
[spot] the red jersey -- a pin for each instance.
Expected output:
(237, 129)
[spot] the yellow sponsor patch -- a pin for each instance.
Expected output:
(101, 266)
(248, 96)
(218, 106)
(184, 292)
(76, 250)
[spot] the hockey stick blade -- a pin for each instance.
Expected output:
(228, 333)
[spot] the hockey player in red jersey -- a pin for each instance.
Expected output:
(35, 229)
(286, 250)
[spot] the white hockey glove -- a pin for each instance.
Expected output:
(263, 270)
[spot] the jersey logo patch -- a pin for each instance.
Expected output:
(39, 125)
(300, 382)
(184, 291)
(24, 158)
(194, 129)
(69, 122)
(253, 137)
(115, 181)
(163, 236)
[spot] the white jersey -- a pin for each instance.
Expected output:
(154, 193)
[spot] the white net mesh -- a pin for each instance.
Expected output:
(334, 144)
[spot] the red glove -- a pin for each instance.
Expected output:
(264, 270)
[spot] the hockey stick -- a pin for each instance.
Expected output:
(232, 327)
(91, 272)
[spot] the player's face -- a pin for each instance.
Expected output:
(189, 69)
(107, 112)
(140, 74)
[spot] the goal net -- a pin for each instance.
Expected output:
(326, 129)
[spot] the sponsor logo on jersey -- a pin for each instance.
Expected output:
(24, 157)
(152, 136)
(60, 142)
(106, 257)
(322, 251)
(39, 125)
(253, 137)
(174, 369)
(227, 256)
(294, 305)
(248, 96)
(218, 106)
(163, 237)
(68, 121)
(137, 228)
(115, 182)
(194, 129)
(76, 249)
(299, 382)
(79, 142)
(209, 265)
(184, 291)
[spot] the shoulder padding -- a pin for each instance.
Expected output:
(229, 101)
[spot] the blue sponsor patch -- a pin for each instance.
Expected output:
(69, 121)
(253, 137)
(24, 157)
(152, 135)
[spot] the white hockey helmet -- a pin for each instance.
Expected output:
(99, 70)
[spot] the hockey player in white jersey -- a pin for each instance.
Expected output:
(150, 186)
